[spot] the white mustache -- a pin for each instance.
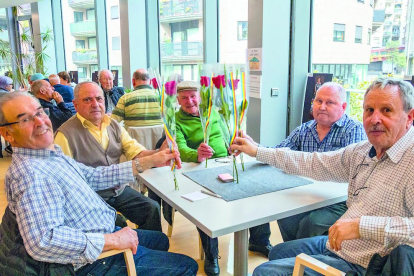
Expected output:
(376, 128)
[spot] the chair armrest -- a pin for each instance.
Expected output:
(303, 260)
(129, 259)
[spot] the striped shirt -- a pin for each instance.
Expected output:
(138, 108)
(61, 219)
(343, 132)
(381, 191)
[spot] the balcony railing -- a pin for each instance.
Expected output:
(182, 49)
(83, 28)
(387, 33)
(397, 11)
(179, 10)
(387, 22)
(81, 4)
(85, 57)
(396, 22)
(395, 33)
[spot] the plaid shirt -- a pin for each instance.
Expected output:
(343, 132)
(60, 217)
(381, 191)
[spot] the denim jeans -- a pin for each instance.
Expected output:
(282, 258)
(151, 258)
(138, 208)
(259, 235)
(311, 224)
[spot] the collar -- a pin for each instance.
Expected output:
(188, 114)
(88, 124)
(396, 152)
(340, 123)
(143, 86)
(37, 153)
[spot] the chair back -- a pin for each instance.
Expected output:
(147, 136)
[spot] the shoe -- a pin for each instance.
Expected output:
(211, 266)
(261, 249)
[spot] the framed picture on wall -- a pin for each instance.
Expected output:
(74, 76)
(95, 77)
(314, 82)
(115, 74)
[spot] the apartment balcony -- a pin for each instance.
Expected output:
(182, 51)
(83, 28)
(173, 11)
(395, 34)
(387, 33)
(85, 57)
(397, 11)
(389, 10)
(81, 4)
(388, 22)
(396, 23)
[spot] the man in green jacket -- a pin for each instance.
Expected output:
(190, 140)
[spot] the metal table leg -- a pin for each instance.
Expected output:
(241, 252)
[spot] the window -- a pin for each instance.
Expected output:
(90, 14)
(78, 16)
(369, 36)
(92, 43)
(81, 72)
(339, 32)
(80, 44)
(361, 1)
(358, 34)
(116, 43)
(242, 30)
(114, 12)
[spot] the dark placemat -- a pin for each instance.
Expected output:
(257, 179)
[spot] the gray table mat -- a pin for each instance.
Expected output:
(257, 179)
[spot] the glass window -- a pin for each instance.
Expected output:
(80, 44)
(114, 12)
(116, 43)
(78, 54)
(339, 32)
(361, 1)
(5, 62)
(242, 30)
(181, 36)
(358, 34)
(78, 16)
(369, 36)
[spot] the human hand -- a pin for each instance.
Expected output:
(245, 146)
(57, 97)
(126, 238)
(343, 229)
(244, 135)
(204, 151)
(164, 157)
(164, 145)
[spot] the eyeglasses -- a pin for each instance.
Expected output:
(29, 120)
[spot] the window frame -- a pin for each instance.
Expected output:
(358, 40)
(240, 35)
(337, 31)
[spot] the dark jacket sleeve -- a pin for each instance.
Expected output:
(59, 114)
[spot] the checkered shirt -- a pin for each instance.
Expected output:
(60, 217)
(381, 191)
(343, 132)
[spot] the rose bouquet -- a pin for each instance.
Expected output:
(168, 103)
(205, 107)
(156, 81)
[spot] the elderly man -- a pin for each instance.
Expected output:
(92, 138)
(140, 107)
(381, 190)
(190, 139)
(331, 129)
(112, 93)
(60, 218)
(59, 114)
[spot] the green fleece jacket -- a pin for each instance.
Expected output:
(190, 136)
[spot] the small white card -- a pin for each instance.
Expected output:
(196, 196)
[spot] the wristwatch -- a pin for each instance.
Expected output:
(138, 166)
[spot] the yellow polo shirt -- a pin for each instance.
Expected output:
(130, 147)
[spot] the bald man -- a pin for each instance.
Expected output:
(140, 107)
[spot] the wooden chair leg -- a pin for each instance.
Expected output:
(170, 227)
(129, 259)
(200, 248)
(303, 260)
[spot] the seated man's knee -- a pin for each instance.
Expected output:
(400, 261)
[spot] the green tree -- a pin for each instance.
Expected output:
(396, 58)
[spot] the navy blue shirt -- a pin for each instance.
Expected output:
(65, 91)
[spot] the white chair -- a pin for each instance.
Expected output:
(303, 260)
(147, 136)
(129, 259)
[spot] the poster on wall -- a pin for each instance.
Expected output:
(74, 76)
(254, 59)
(314, 82)
(95, 77)
(115, 75)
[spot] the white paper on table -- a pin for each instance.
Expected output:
(196, 196)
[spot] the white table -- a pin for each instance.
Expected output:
(217, 217)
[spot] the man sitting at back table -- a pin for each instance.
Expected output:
(380, 194)
(331, 129)
(60, 218)
(190, 139)
(94, 139)
(111, 93)
(140, 107)
(65, 91)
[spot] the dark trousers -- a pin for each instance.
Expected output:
(151, 258)
(311, 224)
(138, 208)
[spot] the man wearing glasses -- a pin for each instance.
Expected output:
(380, 211)
(61, 220)
(94, 139)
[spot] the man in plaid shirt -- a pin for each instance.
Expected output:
(60, 217)
(380, 201)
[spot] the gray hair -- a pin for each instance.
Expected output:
(79, 86)
(10, 97)
(406, 90)
(338, 89)
(36, 86)
(105, 70)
